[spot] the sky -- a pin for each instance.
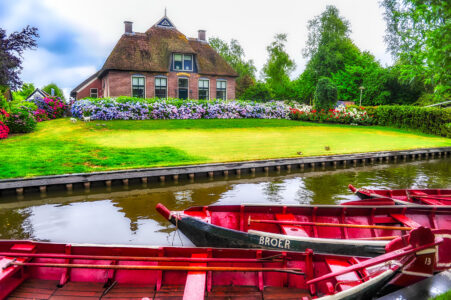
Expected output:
(77, 36)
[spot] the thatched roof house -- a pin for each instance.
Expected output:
(162, 62)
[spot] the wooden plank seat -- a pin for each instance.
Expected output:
(195, 280)
(296, 230)
(405, 220)
(347, 280)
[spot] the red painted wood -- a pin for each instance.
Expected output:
(289, 229)
(405, 220)
(195, 281)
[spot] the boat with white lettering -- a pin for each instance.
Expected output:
(337, 229)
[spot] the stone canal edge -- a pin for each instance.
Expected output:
(84, 180)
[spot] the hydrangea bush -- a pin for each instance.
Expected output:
(161, 109)
(54, 107)
(340, 114)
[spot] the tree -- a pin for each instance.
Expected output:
(24, 92)
(11, 50)
(329, 48)
(233, 53)
(57, 91)
(278, 67)
(419, 37)
(325, 94)
(259, 92)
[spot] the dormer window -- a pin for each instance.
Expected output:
(183, 62)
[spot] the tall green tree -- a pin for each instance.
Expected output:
(278, 67)
(233, 53)
(419, 37)
(58, 92)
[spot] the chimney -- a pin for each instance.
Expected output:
(128, 27)
(201, 35)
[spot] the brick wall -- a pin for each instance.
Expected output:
(118, 83)
(86, 91)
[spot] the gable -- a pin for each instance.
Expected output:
(165, 22)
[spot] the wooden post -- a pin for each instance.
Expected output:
(211, 175)
(404, 157)
(19, 191)
(191, 176)
(108, 183)
(344, 163)
(354, 161)
(226, 173)
(302, 166)
(266, 169)
(144, 180)
(372, 160)
(387, 158)
(162, 178)
(238, 172)
(175, 177)
(253, 171)
(278, 169)
(69, 187)
(312, 165)
(323, 165)
(125, 182)
(43, 189)
(335, 164)
(87, 185)
(289, 168)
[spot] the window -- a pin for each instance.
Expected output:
(161, 87)
(183, 88)
(178, 65)
(221, 89)
(138, 87)
(93, 93)
(187, 62)
(183, 62)
(204, 89)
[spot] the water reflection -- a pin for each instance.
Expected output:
(129, 217)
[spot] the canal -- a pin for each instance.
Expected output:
(126, 215)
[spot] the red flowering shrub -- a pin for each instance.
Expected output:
(3, 115)
(53, 106)
(341, 114)
(41, 115)
(4, 131)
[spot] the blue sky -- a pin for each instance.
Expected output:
(77, 36)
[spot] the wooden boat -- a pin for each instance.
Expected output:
(408, 196)
(337, 229)
(34, 270)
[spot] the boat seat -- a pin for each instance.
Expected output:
(196, 280)
(347, 280)
(405, 220)
(295, 230)
(424, 199)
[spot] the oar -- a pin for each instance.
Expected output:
(377, 238)
(329, 224)
(402, 202)
(144, 258)
(160, 268)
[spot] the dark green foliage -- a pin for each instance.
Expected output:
(4, 104)
(278, 68)
(21, 120)
(325, 94)
(58, 92)
(419, 37)
(258, 92)
(426, 119)
(233, 53)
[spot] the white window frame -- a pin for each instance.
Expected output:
(183, 62)
(131, 84)
(97, 93)
(155, 86)
(209, 88)
(222, 80)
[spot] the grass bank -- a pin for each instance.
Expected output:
(59, 146)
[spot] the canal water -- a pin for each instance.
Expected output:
(126, 215)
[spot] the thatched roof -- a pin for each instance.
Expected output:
(151, 51)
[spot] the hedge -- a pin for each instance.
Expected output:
(426, 119)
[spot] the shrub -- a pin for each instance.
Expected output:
(340, 114)
(426, 119)
(325, 95)
(40, 115)
(4, 115)
(21, 121)
(4, 131)
(141, 109)
(58, 92)
(30, 106)
(53, 106)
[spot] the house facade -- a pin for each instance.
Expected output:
(163, 63)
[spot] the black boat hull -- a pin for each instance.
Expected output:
(203, 234)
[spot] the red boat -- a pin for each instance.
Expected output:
(32, 270)
(404, 197)
(335, 229)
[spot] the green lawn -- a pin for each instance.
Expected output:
(59, 146)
